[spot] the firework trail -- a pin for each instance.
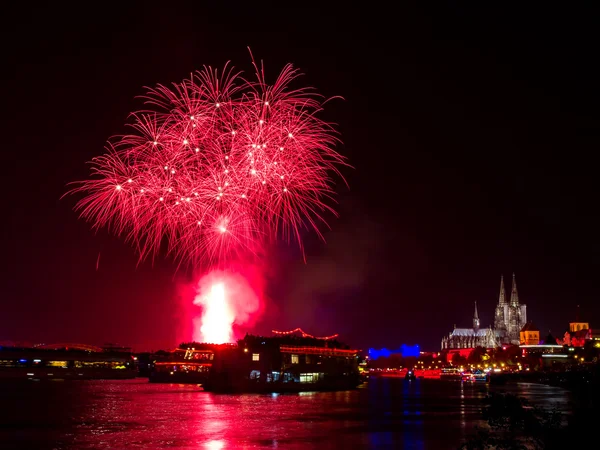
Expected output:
(216, 166)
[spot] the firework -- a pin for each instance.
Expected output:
(226, 298)
(216, 166)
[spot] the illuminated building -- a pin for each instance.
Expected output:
(579, 332)
(471, 337)
(547, 354)
(404, 351)
(529, 334)
(509, 319)
(66, 361)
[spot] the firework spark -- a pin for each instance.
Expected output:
(216, 166)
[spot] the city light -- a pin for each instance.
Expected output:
(404, 351)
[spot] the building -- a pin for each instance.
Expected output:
(471, 337)
(529, 335)
(66, 361)
(509, 319)
(544, 355)
(579, 332)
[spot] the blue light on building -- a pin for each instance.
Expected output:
(410, 350)
(404, 351)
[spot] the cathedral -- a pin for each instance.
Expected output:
(509, 318)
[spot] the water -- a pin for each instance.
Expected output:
(385, 413)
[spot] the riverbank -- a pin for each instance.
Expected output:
(582, 381)
(513, 420)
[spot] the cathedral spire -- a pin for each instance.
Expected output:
(514, 295)
(502, 298)
(476, 319)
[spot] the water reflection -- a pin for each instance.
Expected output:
(413, 422)
(386, 413)
(463, 422)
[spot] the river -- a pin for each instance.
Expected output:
(384, 413)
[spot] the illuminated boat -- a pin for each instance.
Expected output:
(189, 364)
(410, 376)
(284, 363)
(450, 373)
(475, 376)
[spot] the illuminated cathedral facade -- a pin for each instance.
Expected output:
(511, 316)
(509, 319)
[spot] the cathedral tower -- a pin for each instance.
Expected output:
(501, 315)
(517, 314)
(476, 319)
(514, 294)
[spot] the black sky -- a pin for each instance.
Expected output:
(472, 130)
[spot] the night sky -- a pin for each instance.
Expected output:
(472, 133)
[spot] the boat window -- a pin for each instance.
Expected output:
(287, 377)
(310, 377)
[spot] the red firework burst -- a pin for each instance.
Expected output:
(216, 166)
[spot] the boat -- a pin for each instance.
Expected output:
(475, 376)
(450, 374)
(66, 362)
(284, 363)
(410, 376)
(187, 364)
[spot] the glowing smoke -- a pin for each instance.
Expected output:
(218, 317)
(227, 301)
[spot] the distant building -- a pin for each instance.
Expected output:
(574, 327)
(548, 354)
(404, 351)
(509, 320)
(529, 335)
(471, 337)
(579, 332)
(510, 317)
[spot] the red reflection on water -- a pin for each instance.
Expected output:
(135, 413)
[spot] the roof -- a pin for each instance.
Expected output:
(290, 339)
(468, 332)
(529, 326)
(580, 334)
